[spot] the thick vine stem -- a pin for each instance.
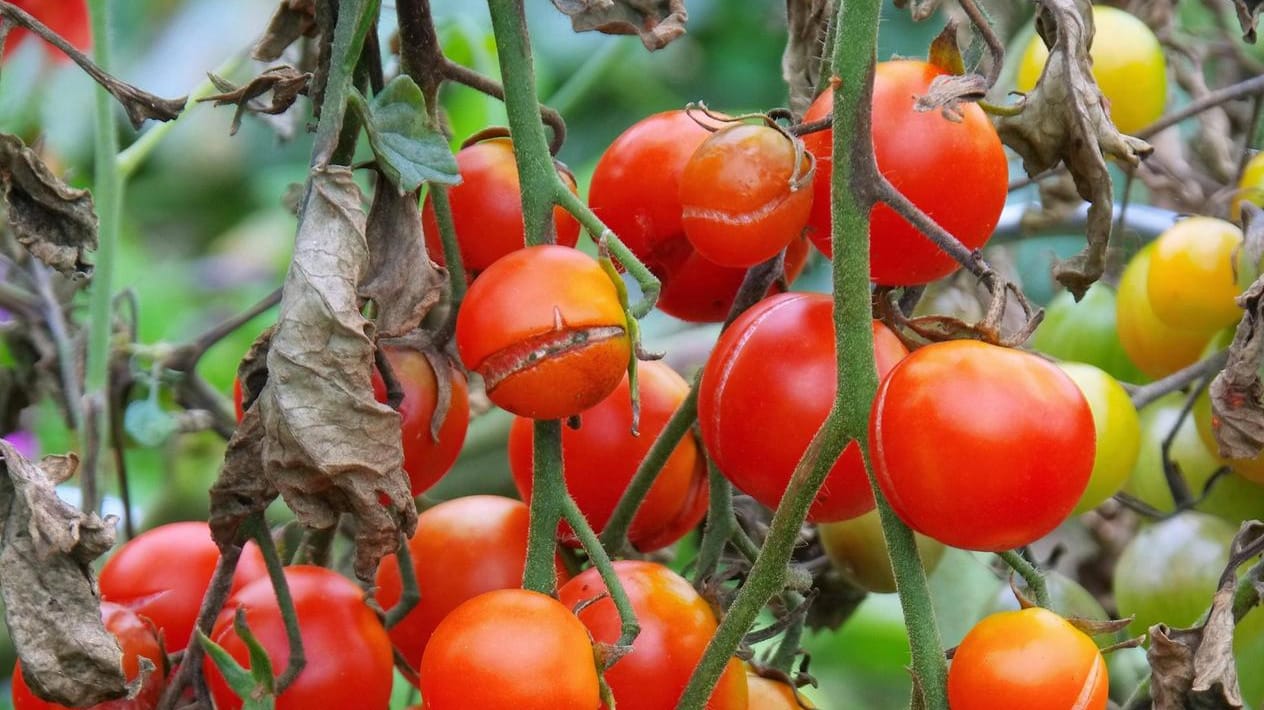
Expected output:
(468, 77)
(410, 595)
(719, 528)
(629, 628)
(548, 493)
(1031, 574)
(355, 19)
(1180, 379)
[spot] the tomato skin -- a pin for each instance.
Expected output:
(766, 389)
(162, 574)
(1086, 332)
(487, 208)
(426, 459)
(744, 195)
(980, 447)
(601, 457)
(349, 661)
(1156, 347)
(701, 291)
(1033, 659)
(676, 625)
(769, 694)
(956, 173)
(1197, 250)
(544, 295)
(136, 638)
(858, 551)
(1118, 430)
(1250, 187)
(68, 18)
(1128, 66)
(511, 648)
(461, 549)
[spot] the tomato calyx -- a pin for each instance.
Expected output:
(915, 331)
(561, 341)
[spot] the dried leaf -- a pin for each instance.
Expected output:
(285, 82)
(402, 280)
(944, 52)
(54, 221)
(657, 22)
(919, 9)
(329, 446)
(1247, 10)
(1065, 119)
(293, 19)
(1236, 405)
(408, 151)
(50, 597)
(807, 22)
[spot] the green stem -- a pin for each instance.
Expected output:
(645, 279)
(355, 19)
(285, 601)
(410, 595)
(548, 493)
(788, 646)
(1034, 577)
(451, 252)
(719, 528)
(629, 628)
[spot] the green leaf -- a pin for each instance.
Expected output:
(408, 152)
(256, 685)
(148, 423)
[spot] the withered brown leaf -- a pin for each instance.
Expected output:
(293, 19)
(1247, 10)
(1066, 119)
(808, 23)
(285, 82)
(54, 221)
(657, 22)
(402, 280)
(50, 596)
(329, 446)
(1237, 391)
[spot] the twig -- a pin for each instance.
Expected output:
(995, 47)
(468, 77)
(1180, 379)
(1031, 574)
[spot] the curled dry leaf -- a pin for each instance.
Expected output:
(1236, 405)
(1065, 119)
(808, 24)
(947, 91)
(293, 19)
(285, 82)
(657, 22)
(402, 280)
(1247, 10)
(50, 596)
(919, 9)
(55, 222)
(329, 446)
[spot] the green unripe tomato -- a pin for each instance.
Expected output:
(859, 551)
(1118, 432)
(1086, 332)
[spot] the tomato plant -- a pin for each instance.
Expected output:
(859, 551)
(676, 624)
(601, 456)
(546, 331)
(162, 575)
(744, 194)
(461, 549)
(955, 171)
(767, 387)
(349, 663)
(1118, 432)
(487, 208)
(1031, 658)
(1249, 469)
(138, 639)
(1156, 347)
(510, 648)
(980, 447)
(1199, 250)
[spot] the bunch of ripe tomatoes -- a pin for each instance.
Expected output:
(975, 446)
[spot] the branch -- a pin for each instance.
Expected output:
(1180, 379)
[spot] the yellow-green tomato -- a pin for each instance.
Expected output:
(1250, 187)
(1128, 65)
(1191, 281)
(1118, 432)
(859, 551)
(1153, 345)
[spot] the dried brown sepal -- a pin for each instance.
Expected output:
(1237, 409)
(919, 9)
(293, 19)
(1009, 320)
(947, 91)
(50, 596)
(1024, 602)
(55, 222)
(1247, 10)
(807, 26)
(1099, 627)
(329, 447)
(1195, 667)
(1066, 119)
(284, 82)
(402, 280)
(656, 22)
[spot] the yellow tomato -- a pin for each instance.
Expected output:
(1155, 347)
(1191, 278)
(1118, 432)
(1128, 65)
(1251, 186)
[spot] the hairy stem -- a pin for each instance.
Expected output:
(548, 493)
(1031, 574)
(628, 626)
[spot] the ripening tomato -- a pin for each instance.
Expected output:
(511, 648)
(427, 455)
(1031, 659)
(546, 331)
(766, 389)
(858, 550)
(162, 574)
(68, 18)
(1196, 250)
(1156, 347)
(769, 694)
(1250, 187)
(487, 208)
(955, 171)
(136, 638)
(676, 625)
(636, 190)
(1249, 469)
(1086, 332)
(461, 549)
(1118, 432)
(349, 660)
(980, 447)
(745, 194)
(601, 456)
(1128, 66)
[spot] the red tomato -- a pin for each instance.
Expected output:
(766, 389)
(137, 639)
(68, 18)
(349, 661)
(635, 191)
(955, 172)
(981, 447)
(1031, 659)
(546, 331)
(162, 574)
(461, 549)
(426, 457)
(487, 208)
(744, 194)
(510, 648)
(601, 456)
(769, 694)
(676, 625)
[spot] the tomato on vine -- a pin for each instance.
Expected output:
(428, 454)
(769, 694)
(1195, 250)
(1156, 347)
(859, 552)
(1118, 430)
